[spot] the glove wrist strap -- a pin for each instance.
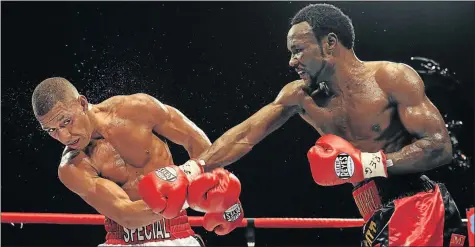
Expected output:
(193, 168)
(374, 165)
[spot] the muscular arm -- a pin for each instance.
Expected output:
(172, 124)
(77, 174)
(422, 119)
(239, 140)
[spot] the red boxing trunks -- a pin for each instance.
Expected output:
(408, 211)
(161, 231)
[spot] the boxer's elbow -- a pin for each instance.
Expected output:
(129, 221)
(122, 217)
(447, 155)
(126, 215)
(440, 150)
(131, 224)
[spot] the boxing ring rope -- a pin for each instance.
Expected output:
(249, 223)
(96, 219)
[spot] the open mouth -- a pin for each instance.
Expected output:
(73, 144)
(303, 74)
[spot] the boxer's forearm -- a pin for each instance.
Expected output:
(226, 150)
(420, 156)
(136, 214)
(232, 145)
(238, 141)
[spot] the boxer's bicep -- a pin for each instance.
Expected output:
(175, 126)
(417, 113)
(167, 121)
(181, 130)
(274, 115)
(265, 121)
(423, 120)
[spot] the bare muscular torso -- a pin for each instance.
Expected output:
(361, 112)
(125, 149)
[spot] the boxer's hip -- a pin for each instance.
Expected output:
(371, 195)
(157, 233)
(428, 218)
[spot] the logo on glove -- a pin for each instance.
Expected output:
(167, 173)
(233, 213)
(344, 166)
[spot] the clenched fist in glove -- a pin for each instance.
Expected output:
(224, 222)
(335, 161)
(214, 191)
(165, 189)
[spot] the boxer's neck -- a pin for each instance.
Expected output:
(93, 118)
(341, 69)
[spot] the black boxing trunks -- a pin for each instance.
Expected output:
(409, 210)
(164, 232)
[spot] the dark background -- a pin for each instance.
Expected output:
(218, 63)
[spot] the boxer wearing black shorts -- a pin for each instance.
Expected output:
(398, 222)
(379, 132)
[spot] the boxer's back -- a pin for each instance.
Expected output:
(361, 111)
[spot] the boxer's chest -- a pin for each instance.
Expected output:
(137, 144)
(114, 167)
(360, 116)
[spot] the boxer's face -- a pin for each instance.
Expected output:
(308, 56)
(69, 123)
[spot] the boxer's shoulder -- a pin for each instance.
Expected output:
(74, 170)
(137, 108)
(399, 80)
(75, 159)
(134, 104)
(291, 94)
(121, 102)
(72, 155)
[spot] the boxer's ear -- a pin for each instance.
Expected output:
(83, 102)
(331, 43)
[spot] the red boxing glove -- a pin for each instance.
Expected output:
(335, 161)
(214, 192)
(164, 190)
(224, 223)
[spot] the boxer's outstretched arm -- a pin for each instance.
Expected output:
(422, 119)
(239, 140)
(77, 174)
(171, 123)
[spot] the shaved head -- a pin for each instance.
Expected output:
(51, 91)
